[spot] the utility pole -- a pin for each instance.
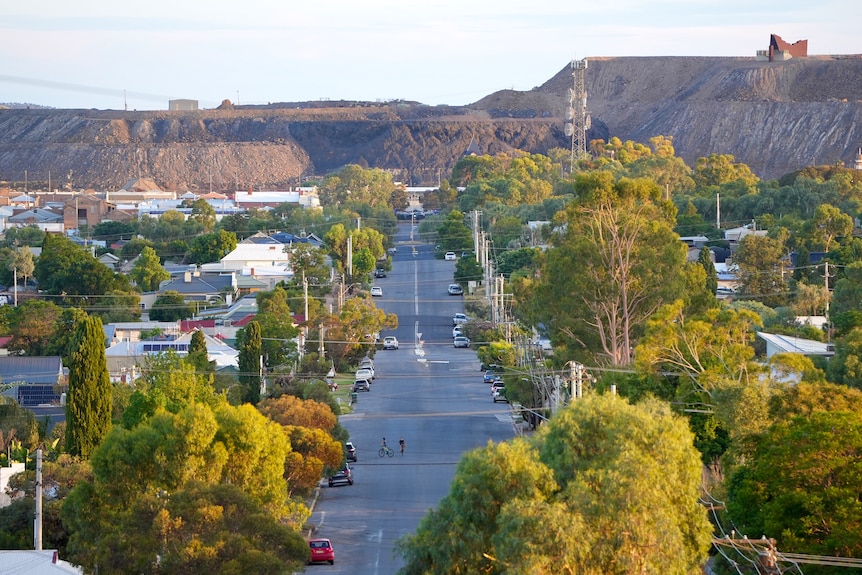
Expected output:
(37, 521)
(349, 256)
(305, 327)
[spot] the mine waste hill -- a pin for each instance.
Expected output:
(774, 116)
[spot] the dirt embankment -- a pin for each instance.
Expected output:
(776, 117)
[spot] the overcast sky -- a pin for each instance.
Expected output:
(100, 54)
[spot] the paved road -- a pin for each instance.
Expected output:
(431, 394)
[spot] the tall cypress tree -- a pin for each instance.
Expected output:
(198, 356)
(249, 362)
(89, 400)
(704, 258)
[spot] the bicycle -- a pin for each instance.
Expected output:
(386, 450)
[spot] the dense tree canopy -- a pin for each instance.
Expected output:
(605, 487)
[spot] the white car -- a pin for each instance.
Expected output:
(456, 331)
(377, 291)
(450, 257)
(364, 373)
(459, 319)
(390, 342)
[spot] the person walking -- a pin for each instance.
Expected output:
(403, 444)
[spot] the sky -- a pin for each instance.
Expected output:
(139, 55)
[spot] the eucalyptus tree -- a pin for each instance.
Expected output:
(614, 261)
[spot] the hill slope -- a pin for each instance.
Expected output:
(776, 117)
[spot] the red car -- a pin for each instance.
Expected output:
(321, 551)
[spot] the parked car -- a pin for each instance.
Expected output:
(450, 257)
(350, 451)
(497, 384)
(459, 319)
(343, 475)
(320, 551)
(364, 373)
(392, 250)
(455, 289)
(390, 342)
(377, 291)
(491, 376)
(361, 385)
(456, 331)
(367, 362)
(499, 394)
(461, 341)
(380, 273)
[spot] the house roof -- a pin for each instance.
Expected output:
(141, 185)
(777, 343)
(31, 369)
(36, 214)
(217, 350)
(203, 284)
(30, 562)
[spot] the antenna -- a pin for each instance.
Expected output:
(577, 118)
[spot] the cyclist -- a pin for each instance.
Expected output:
(383, 443)
(403, 444)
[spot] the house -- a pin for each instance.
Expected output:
(126, 358)
(304, 196)
(111, 261)
(777, 343)
(196, 286)
(32, 380)
(46, 220)
(138, 190)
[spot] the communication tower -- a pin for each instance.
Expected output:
(577, 118)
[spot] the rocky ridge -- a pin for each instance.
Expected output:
(776, 117)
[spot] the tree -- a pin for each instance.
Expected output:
(148, 272)
(33, 326)
(350, 331)
(203, 214)
(467, 270)
(250, 352)
(801, 486)
(453, 234)
(171, 306)
(202, 489)
(615, 264)
(704, 258)
(277, 331)
(62, 342)
(26, 236)
(762, 268)
(309, 261)
(603, 488)
(21, 264)
(212, 247)
(846, 366)
(198, 356)
(828, 224)
(88, 404)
